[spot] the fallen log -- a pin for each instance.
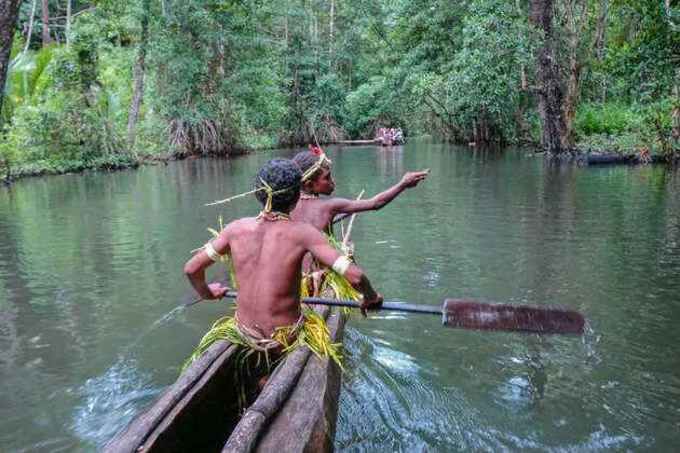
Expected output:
(615, 158)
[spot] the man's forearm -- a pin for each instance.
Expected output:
(388, 195)
(197, 280)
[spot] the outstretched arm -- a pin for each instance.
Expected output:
(410, 179)
(196, 266)
(318, 246)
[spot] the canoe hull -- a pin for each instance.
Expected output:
(307, 421)
(200, 410)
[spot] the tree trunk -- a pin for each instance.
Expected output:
(675, 114)
(46, 23)
(550, 97)
(138, 75)
(68, 22)
(523, 130)
(600, 41)
(578, 18)
(350, 75)
(30, 27)
(574, 69)
(571, 99)
(9, 11)
(316, 43)
(330, 39)
(285, 36)
(601, 30)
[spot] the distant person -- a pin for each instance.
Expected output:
(399, 136)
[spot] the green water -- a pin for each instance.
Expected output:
(90, 274)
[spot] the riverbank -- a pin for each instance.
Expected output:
(624, 148)
(109, 163)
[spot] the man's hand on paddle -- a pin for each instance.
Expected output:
(217, 291)
(371, 303)
(412, 178)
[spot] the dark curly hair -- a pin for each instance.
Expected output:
(279, 174)
(306, 160)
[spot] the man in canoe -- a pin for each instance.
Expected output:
(320, 212)
(266, 253)
(317, 180)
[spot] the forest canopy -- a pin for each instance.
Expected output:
(110, 83)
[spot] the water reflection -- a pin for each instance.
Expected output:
(90, 275)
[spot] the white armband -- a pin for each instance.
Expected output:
(341, 264)
(211, 252)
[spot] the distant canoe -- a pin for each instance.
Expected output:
(377, 141)
(295, 412)
(359, 142)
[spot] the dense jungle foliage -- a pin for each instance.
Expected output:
(110, 83)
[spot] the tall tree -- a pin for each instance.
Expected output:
(549, 89)
(577, 18)
(138, 75)
(9, 11)
(29, 33)
(68, 21)
(331, 31)
(46, 22)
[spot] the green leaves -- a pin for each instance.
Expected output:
(225, 75)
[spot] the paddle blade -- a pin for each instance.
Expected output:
(469, 314)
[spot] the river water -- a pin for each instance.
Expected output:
(91, 275)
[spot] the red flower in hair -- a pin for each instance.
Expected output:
(316, 150)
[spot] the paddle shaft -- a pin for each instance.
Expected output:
(340, 218)
(472, 314)
(387, 305)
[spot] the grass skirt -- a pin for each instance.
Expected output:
(313, 334)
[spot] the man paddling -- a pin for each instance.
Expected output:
(267, 252)
(318, 180)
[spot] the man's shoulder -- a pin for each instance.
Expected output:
(332, 200)
(301, 228)
(324, 205)
(337, 201)
(298, 225)
(240, 224)
(316, 203)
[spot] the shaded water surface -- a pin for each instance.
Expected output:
(90, 275)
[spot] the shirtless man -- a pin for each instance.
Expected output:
(267, 253)
(317, 180)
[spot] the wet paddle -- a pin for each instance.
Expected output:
(472, 314)
(341, 217)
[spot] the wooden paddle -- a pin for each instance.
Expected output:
(341, 217)
(472, 314)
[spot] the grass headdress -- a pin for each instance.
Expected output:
(277, 186)
(312, 161)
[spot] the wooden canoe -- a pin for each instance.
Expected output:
(295, 412)
(373, 141)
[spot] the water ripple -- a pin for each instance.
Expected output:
(110, 401)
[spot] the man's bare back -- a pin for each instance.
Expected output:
(267, 258)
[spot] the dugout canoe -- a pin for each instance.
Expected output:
(295, 412)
